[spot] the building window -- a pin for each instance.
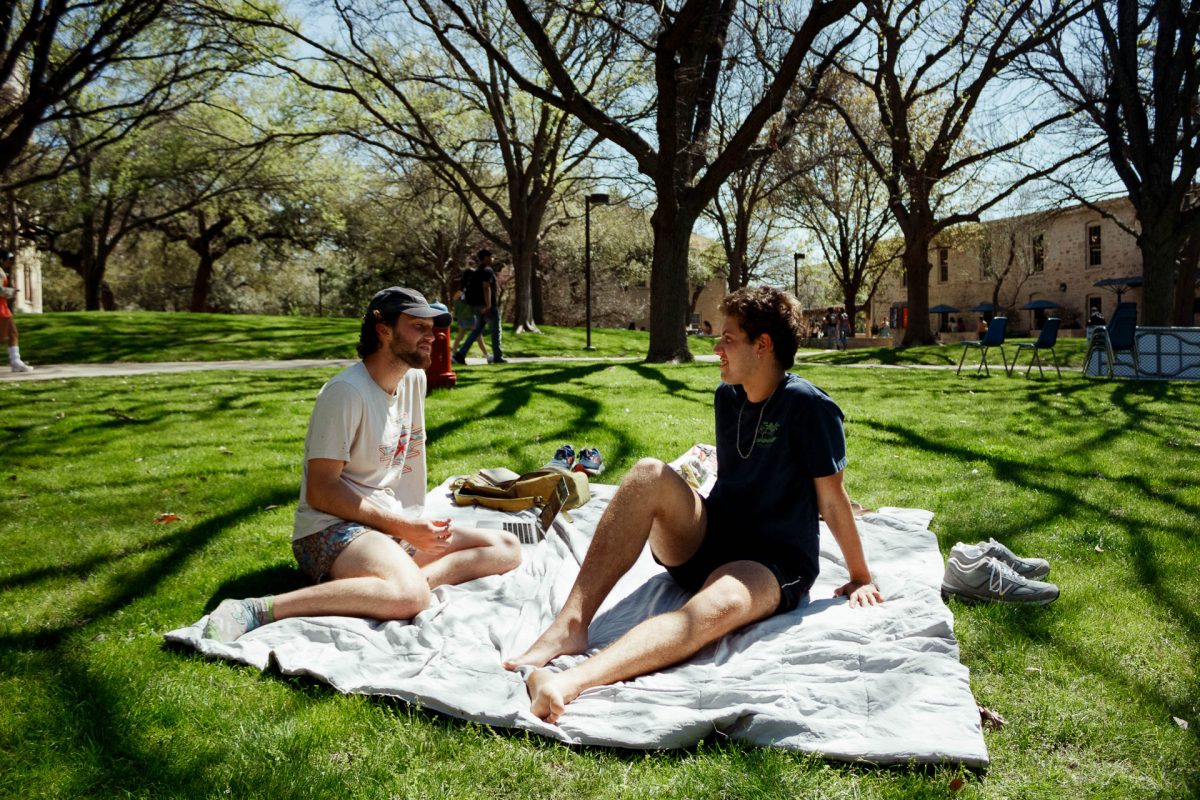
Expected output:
(1094, 246)
(1039, 253)
(1095, 305)
(943, 265)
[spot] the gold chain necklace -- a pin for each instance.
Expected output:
(738, 441)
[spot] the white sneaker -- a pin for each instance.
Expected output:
(21, 366)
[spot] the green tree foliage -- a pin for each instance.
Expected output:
(683, 45)
(837, 197)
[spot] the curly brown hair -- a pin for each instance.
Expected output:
(762, 309)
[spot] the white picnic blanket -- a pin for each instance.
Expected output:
(882, 685)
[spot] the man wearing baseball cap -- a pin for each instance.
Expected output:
(358, 532)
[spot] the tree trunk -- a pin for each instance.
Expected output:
(523, 306)
(1185, 282)
(536, 297)
(1159, 254)
(916, 268)
(202, 284)
(92, 280)
(669, 284)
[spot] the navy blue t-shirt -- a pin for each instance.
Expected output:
(764, 494)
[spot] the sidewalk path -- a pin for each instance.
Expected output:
(50, 372)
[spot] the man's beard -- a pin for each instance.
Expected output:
(414, 358)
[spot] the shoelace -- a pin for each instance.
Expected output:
(999, 572)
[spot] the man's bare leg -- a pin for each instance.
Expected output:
(474, 553)
(734, 595)
(373, 577)
(652, 503)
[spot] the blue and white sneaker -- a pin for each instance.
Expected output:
(590, 461)
(564, 458)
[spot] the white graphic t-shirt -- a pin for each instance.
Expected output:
(381, 438)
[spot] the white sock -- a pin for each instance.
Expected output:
(14, 355)
(232, 618)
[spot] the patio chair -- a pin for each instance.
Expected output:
(1045, 341)
(993, 338)
(1119, 336)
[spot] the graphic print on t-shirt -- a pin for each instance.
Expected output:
(768, 433)
(396, 436)
(415, 439)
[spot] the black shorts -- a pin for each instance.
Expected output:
(720, 548)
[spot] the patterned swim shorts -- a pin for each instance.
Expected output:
(316, 552)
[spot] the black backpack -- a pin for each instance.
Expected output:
(472, 286)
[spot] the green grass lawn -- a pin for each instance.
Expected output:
(1100, 477)
(139, 336)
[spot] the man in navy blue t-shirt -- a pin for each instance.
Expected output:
(748, 550)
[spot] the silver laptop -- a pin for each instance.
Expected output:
(529, 526)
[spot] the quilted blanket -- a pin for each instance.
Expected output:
(881, 685)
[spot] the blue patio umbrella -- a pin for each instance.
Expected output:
(942, 308)
(1128, 281)
(983, 308)
(1120, 284)
(1040, 305)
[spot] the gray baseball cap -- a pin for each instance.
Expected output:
(397, 300)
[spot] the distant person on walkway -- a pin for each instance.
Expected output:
(750, 549)
(356, 535)
(487, 307)
(843, 330)
(961, 325)
(831, 327)
(465, 316)
(1096, 318)
(8, 326)
(981, 328)
(706, 328)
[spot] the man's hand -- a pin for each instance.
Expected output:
(861, 593)
(428, 535)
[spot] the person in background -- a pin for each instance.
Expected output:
(466, 318)
(8, 326)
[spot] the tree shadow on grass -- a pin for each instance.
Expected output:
(175, 549)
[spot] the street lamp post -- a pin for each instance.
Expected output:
(796, 257)
(320, 271)
(599, 199)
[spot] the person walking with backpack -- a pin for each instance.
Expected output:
(483, 294)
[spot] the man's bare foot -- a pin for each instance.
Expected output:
(548, 697)
(560, 639)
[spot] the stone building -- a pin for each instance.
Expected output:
(1056, 256)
